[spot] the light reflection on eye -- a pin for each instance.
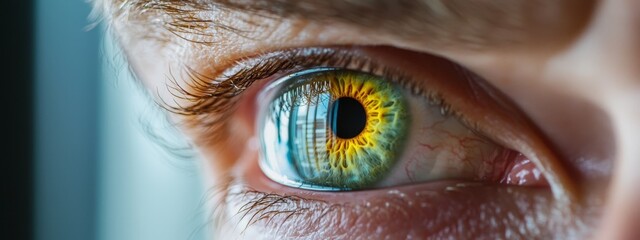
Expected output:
(336, 129)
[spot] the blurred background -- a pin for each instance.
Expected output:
(88, 153)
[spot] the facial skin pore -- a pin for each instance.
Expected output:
(570, 66)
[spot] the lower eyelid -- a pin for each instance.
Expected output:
(252, 205)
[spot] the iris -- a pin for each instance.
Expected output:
(332, 129)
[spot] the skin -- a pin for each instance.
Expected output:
(571, 70)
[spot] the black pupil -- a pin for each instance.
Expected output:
(348, 117)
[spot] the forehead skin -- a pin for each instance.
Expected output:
(584, 50)
(220, 32)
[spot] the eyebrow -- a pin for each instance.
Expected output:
(454, 23)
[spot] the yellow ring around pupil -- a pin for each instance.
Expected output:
(360, 160)
(299, 133)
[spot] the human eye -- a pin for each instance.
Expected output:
(447, 151)
(338, 129)
(332, 129)
(360, 126)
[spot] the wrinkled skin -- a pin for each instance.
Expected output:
(574, 74)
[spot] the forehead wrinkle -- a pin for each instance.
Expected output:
(168, 20)
(442, 23)
(474, 25)
(184, 17)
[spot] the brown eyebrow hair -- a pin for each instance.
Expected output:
(443, 23)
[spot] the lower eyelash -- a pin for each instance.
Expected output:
(272, 210)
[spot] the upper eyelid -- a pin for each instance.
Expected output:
(202, 88)
(211, 98)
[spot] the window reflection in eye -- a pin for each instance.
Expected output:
(335, 129)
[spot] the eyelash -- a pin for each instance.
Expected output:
(272, 209)
(257, 205)
(212, 99)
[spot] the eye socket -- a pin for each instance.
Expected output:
(333, 129)
(434, 86)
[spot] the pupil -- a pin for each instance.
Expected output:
(348, 117)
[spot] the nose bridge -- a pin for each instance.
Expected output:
(616, 34)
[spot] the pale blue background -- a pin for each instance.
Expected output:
(98, 175)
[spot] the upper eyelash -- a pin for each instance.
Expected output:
(212, 98)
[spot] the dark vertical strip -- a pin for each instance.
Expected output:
(16, 97)
(67, 71)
